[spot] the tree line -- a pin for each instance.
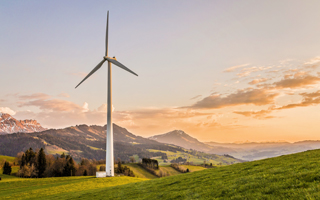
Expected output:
(36, 164)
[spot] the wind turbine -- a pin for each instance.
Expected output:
(109, 138)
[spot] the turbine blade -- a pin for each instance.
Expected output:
(115, 62)
(107, 27)
(93, 71)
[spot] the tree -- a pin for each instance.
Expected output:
(102, 168)
(24, 171)
(85, 173)
(63, 155)
(132, 159)
(69, 169)
(119, 166)
(23, 161)
(6, 168)
(42, 163)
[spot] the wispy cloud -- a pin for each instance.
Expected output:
(261, 114)
(196, 97)
(35, 96)
(313, 61)
(63, 94)
(309, 99)
(233, 68)
(297, 82)
(256, 81)
(55, 105)
(241, 97)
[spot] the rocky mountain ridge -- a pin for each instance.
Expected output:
(9, 124)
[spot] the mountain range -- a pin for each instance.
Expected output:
(242, 150)
(90, 142)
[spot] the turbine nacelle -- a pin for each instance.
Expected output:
(107, 57)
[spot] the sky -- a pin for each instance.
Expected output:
(222, 71)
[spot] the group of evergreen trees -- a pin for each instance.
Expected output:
(32, 164)
(150, 163)
(38, 164)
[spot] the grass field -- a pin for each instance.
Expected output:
(295, 176)
(53, 149)
(168, 171)
(7, 158)
(56, 188)
(193, 168)
(139, 171)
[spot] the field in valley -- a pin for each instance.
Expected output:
(295, 176)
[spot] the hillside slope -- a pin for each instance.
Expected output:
(295, 176)
(89, 142)
(81, 141)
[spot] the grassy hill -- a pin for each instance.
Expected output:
(6, 158)
(295, 176)
(195, 157)
(139, 171)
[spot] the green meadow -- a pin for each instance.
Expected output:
(295, 176)
(7, 158)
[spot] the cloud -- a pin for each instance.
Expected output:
(233, 68)
(297, 82)
(196, 97)
(7, 110)
(35, 96)
(56, 105)
(85, 107)
(309, 99)
(241, 97)
(257, 114)
(247, 71)
(256, 81)
(313, 61)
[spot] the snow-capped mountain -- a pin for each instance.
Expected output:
(8, 125)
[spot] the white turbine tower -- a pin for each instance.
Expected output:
(109, 147)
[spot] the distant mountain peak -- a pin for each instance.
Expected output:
(180, 132)
(182, 139)
(8, 125)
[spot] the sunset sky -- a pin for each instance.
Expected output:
(222, 71)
